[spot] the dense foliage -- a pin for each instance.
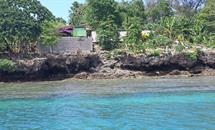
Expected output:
(108, 35)
(77, 14)
(161, 10)
(187, 8)
(50, 34)
(21, 23)
(172, 25)
(207, 15)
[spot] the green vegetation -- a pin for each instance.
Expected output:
(175, 25)
(77, 14)
(160, 10)
(207, 15)
(7, 65)
(50, 36)
(108, 35)
(192, 55)
(23, 25)
(170, 25)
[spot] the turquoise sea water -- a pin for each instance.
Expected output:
(181, 110)
(147, 111)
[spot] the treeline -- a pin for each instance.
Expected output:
(185, 22)
(25, 23)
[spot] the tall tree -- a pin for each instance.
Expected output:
(103, 16)
(207, 15)
(123, 9)
(150, 4)
(60, 20)
(129, 10)
(133, 40)
(133, 16)
(101, 10)
(50, 34)
(187, 8)
(137, 9)
(21, 22)
(77, 14)
(108, 35)
(161, 9)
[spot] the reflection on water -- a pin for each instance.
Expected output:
(109, 105)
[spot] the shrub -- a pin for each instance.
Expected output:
(159, 41)
(7, 65)
(140, 48)
(179, 48)
(50, 34)
(116, 53)
(211, 41)
(193, 55)
(134, 40)
(108, 35)
(156, 53)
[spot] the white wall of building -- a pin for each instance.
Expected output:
(122, 34)
(94, 36)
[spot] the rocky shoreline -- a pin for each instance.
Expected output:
(51, 67)
(96, 66)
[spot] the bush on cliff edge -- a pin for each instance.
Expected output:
(7, 65)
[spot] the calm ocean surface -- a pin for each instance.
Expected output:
(149, 104)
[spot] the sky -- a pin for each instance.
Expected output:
(60, 8)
